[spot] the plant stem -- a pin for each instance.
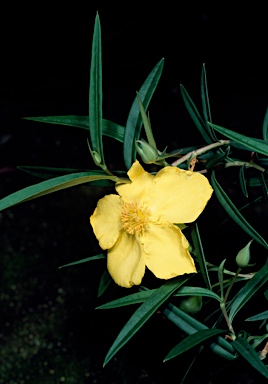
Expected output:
(231, 285)
(244, 163)
(199, 151)
(224, 312)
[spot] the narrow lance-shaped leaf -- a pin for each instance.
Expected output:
(263, 182)
(251, 287)
(50, 186)
(242, 180)
(140, 297)
(200, 254)
(193, 340)
(142, 314)
(265, 126)
(91, 258)
(113, 130)
(197, 291)
(190, 325)
(220, 277)
(134, 121)
(195, 115)
(135, 298)
(259, 316)
(249, 353)
(49, 173)
(146, 123)
(95, 95)
(233, 212)
(104, 282)
(264, 186)
(205, 103)
(252, 144)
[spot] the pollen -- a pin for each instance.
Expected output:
(134, 218)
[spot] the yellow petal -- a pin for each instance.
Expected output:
(140, 186)
(126, 262)
(166, 251)
(135, 171)
(179, 196)
(106, 220)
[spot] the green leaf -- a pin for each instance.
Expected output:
(135, 298)
(218, 158)
(263, 161)
(204, 95)
(193, 340)
(234, 213)
(134, 121)
(249, 289)
(140, 297)
(252, 144)
(242, 180)
(96, 257)
(259, 316)
(195, 115)
(146, 123)
(249, 354)
(182, 316)
(177, 317)
(205, 103)
(113, 130)
(142, 314)
(50, 186)
(265, 126)
(197, 291)
(190, 325)
(104, 282)
(49, 172)
(220, 276)
(263, 182)
(95, 92)
(197, 243)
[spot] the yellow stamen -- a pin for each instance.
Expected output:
(134, 218)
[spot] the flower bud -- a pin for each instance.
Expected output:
(243, 256)
(96, 157)
(191, 304)
(148, 153)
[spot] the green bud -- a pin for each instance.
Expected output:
(243, 256)
(148, 153)
(191, 304)
(96, 157)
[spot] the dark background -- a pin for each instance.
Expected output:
(50, 330)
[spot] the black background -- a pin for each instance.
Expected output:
(45, 60)
(45, 53)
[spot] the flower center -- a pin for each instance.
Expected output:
(134, 218)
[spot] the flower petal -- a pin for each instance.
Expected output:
(166, 251)
(140, 186)
(179, 196)
(126, 262)
(106, 220)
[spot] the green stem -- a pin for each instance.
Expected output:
(244, 163)
(223, 303)
(223, 309)
(213, 268)
(231, 285)
(199, 151)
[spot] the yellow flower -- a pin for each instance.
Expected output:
(137, 225)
